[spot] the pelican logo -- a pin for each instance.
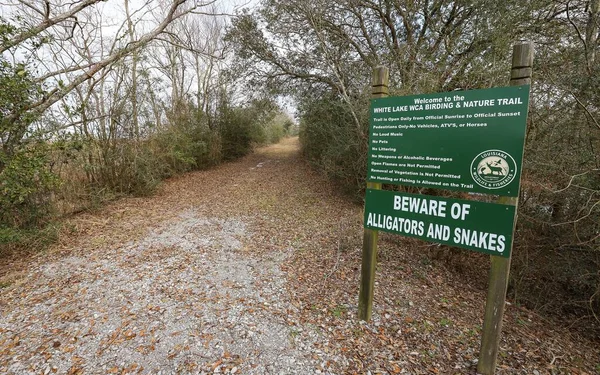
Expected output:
(493, 169)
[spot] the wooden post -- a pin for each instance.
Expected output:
(522, 62)
(380, 83)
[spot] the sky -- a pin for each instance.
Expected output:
(112, 20)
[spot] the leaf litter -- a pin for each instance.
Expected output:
(253, 268)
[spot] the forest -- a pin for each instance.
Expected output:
(102, 99)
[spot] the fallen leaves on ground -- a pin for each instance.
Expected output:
(253, 267)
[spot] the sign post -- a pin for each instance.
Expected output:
(468, 141)
(380, 83)
(520, 74)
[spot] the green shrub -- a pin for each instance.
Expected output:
(26, 187)
(16, 239)
(332, 141)
(26, 182)
(260, 122)
(290, 128)
(184, 147)
(239, 132)
(275, 130)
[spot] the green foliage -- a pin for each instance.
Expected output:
(274, 132)
(279, 127)
(25, 187)
(338, 311)
(241, 128)
(6, 31)
(12, 239)
(127, 166)
(187, 144)
(115, 167)
(17, 94)
(333, 141)
(26, 181)
(238, 131)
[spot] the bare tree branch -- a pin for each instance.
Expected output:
(58, 93)
(45, 24)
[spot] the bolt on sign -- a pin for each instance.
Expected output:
(469, 141)
(480, 226)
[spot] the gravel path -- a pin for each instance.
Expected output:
(183, 297)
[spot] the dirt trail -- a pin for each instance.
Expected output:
(252, 268)
(188, 281)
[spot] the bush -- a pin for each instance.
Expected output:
(277, 128)
(26, 182)
(26, 187)
(274, 132)
(187, 144)
(15, 239)
(333, 142)
(238, 133)
(115, 167)
(241, 128)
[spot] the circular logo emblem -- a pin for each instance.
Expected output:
(493, 169)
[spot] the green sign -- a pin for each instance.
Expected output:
(463, 140)
(474, 225)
